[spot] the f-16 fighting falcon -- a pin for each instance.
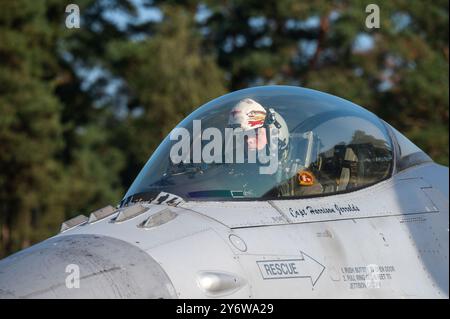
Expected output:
(266, 192)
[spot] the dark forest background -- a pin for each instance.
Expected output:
(81, 110)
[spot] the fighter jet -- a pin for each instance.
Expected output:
(266, 192)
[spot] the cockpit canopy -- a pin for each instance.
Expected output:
(308, 143)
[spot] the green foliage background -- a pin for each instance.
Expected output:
(82, 109)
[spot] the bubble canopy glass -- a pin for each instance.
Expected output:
(334, 146)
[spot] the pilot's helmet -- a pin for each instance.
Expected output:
(248, 115)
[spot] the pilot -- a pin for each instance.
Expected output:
(248, 115)
(291, 181)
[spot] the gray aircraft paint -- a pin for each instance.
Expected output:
(109, 268)
(408, 241)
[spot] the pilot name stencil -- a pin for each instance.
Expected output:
(335, 209)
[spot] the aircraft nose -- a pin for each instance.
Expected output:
(83, 266)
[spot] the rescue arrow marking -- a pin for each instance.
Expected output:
(304, 267)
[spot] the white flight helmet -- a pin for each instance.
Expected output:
(249, 114)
